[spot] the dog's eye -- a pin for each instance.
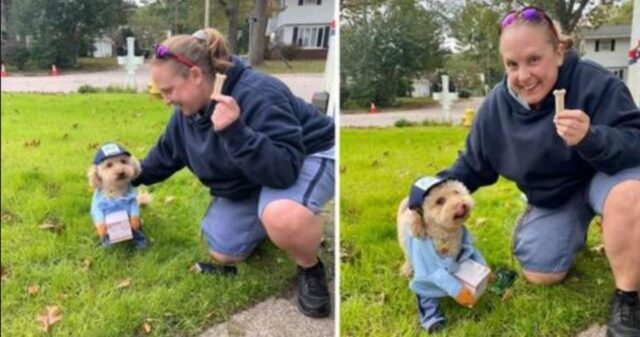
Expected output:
(109, 164)
(440, 201)
(123, 161)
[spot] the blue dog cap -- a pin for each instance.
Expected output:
(421, 188)
(107, 151)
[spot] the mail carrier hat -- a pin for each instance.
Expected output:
(421, 188)
(107, 151)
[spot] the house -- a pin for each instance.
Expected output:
(609, 46)
(102, 47)
(304, 23)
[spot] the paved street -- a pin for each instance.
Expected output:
(303, 85)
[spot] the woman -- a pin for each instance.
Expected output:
(267, 157)
(570, 164)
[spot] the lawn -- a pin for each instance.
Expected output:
(402, 104)
(378, 166)
(48, 143)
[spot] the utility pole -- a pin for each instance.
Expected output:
(206, 13)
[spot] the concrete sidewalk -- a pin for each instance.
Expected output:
(302, 85)
(384, 119)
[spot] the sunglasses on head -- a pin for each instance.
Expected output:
(163, 52)
(527, 14)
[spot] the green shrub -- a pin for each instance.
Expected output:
(16, 54)
(403, 123)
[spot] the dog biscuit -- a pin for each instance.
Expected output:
(217, 85)
(559, 94)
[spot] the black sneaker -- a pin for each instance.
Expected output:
(313, 293)
(436, 327)
(624, 318)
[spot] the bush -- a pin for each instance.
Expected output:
(15, 54)
(290, 52)
(403, 123)
(88, 89)
(464, 93)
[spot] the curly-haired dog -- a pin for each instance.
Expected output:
(110, 175)
(434, 241)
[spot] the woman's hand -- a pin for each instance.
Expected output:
(572, 125)
(225, 113)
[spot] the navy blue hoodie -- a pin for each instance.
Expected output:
(264, 147)
(522, 145)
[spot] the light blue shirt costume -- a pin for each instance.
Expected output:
(433, 274)
(101, 205)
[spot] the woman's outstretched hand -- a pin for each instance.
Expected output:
(225, 113)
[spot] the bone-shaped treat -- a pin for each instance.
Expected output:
(217, 84)
(559, 94)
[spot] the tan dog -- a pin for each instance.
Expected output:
(444, 210)
(112, 176)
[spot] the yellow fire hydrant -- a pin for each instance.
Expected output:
(467, 118)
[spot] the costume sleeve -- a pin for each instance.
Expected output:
(266, 144)
(134, 208)
(472, 167)
(163, 159)
(613, 140)
(97, 214)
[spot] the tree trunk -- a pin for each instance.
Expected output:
(258, 31)
(231, 11)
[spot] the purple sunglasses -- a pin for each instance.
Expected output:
(527, 14)
(163, 52)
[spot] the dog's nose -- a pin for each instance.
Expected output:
(121, 175)
(461, 210)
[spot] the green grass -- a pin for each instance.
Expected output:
(297, 67)
(47, 183)
(402, 104)
(378, 166)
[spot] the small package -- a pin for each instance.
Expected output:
(474, 276)
(118, 226)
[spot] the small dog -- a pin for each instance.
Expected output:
(441, 217)
(110, 175)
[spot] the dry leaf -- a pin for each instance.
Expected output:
(599, 249)
(32, 143)
(382, 298)
(49, 318)
(481, 221)
(85, 265)
(374, 163)
(508, 294)
(195, 268)
(33, 289)
(169, 199)
(147, 325)
(4, 274)
(92, 146)
(343, 169)
(64, 296)
(124, 284)
(48, 226)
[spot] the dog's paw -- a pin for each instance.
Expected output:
(406, 269)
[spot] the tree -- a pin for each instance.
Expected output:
(231, 9)
(58, 27)
(386, 48)
(611, 14)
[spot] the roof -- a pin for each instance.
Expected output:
(608, 31)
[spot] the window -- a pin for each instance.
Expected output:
(606, 45)
(309, 2)
(619, 73)
(310, 37)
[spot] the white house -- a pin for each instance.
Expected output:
(609, 46)
(304, 23)
(102, 47)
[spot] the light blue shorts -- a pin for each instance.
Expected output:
(546, 240)
(234, 228)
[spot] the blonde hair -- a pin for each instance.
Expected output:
(207, 49)
(554, 33)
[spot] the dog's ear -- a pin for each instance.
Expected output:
(418, 226)
(136, 167)
(94, 177)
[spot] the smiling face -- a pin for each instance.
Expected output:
(189, 93)
(531, 62)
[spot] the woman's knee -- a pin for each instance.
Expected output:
(285, 216)
(623, 202)
(544, 278)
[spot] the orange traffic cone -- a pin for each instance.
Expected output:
(54, 70)
(4, 72)
(373, 108)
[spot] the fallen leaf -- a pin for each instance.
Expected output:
(599, 249)
(65, 136)
(3, 273)
(33, 289)
(195, 268)
(124, 284)
(64, 296)
(481, 221)
(508, 294)
(147, 325)
(599, 281)
(92, 146)
(49, 226)
(169, 199)
(85, 265)
(374, 162)
(343, 169)
(382, 298)
(32, 143)
(49, 318)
